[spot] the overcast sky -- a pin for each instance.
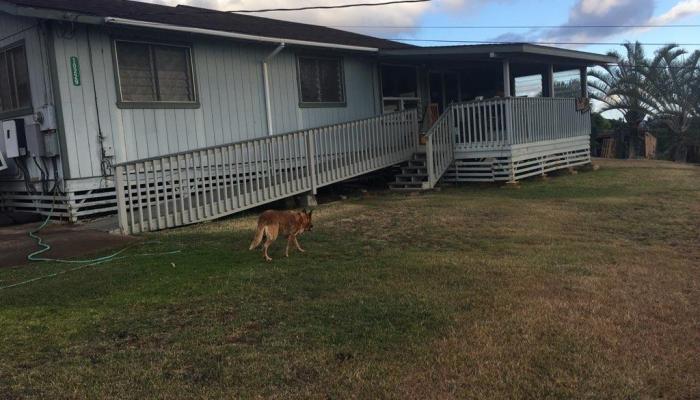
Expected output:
(418, 21)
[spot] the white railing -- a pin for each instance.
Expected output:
(499, 123)
(542, 119)
(199, 185)
(439, 148)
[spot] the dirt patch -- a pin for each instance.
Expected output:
(67, 241)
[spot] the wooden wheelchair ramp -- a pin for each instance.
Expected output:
(204, 184)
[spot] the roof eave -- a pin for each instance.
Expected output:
(566, 53)
(233, 35)
(44, 13)
(503, 49)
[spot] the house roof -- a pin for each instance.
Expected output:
(205, 19)
(248, 27)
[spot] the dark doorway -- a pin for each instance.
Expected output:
(444, 89)
(399, 88)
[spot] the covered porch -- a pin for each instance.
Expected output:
(510, 111)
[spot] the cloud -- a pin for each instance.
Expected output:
(606, 12)
(404, 15)
(685, 8)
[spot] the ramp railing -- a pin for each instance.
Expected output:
(204, 184)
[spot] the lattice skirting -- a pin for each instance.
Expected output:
(72, 205)
(516, 166)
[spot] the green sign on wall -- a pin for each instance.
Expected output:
(75, 70)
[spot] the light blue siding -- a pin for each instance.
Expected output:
(229, 77)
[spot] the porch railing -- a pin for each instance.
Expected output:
(198, 185)
(499, 123)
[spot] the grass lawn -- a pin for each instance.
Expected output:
(583, 286)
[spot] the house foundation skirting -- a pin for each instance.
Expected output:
(518, 163)
(79, 199)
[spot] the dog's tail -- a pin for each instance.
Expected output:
(259, 233)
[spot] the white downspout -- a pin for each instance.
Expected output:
(266, 82)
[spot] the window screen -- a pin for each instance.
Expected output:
(153, 73)
(321, 80)
(15, 94)
(528, 86)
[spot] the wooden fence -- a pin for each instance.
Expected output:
(199, 185)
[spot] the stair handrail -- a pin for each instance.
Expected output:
(440, 147)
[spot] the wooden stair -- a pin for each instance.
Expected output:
(413, 176)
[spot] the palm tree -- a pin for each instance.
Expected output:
(672, 94)
(621, 87)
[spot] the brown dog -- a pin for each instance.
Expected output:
(287, 223)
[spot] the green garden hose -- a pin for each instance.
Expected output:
(44, 247)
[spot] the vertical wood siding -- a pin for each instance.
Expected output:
(230, 87)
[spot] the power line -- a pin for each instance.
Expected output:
(513, 26)
(386, 3)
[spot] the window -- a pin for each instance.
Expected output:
(15, 94)
(321, 81)
(154, 75)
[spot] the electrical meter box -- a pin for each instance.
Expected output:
(15, 139)
(46, 118)
(51, 143)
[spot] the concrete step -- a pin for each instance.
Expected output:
(408, 187)
(396, 187)
(411, 178)
(414, 163)
(421, 176)
(415, 170)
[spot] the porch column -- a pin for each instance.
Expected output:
(507, 92)
(548, 87)
(584, 82)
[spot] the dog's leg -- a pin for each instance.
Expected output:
(296, 242)
(271, 233)
(267, 244)
(289, 242)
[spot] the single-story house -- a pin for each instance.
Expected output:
(173, 115)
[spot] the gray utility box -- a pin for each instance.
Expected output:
(35, 141)
(50, 143)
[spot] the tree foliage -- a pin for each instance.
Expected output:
(672, 96)
(664, 89)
